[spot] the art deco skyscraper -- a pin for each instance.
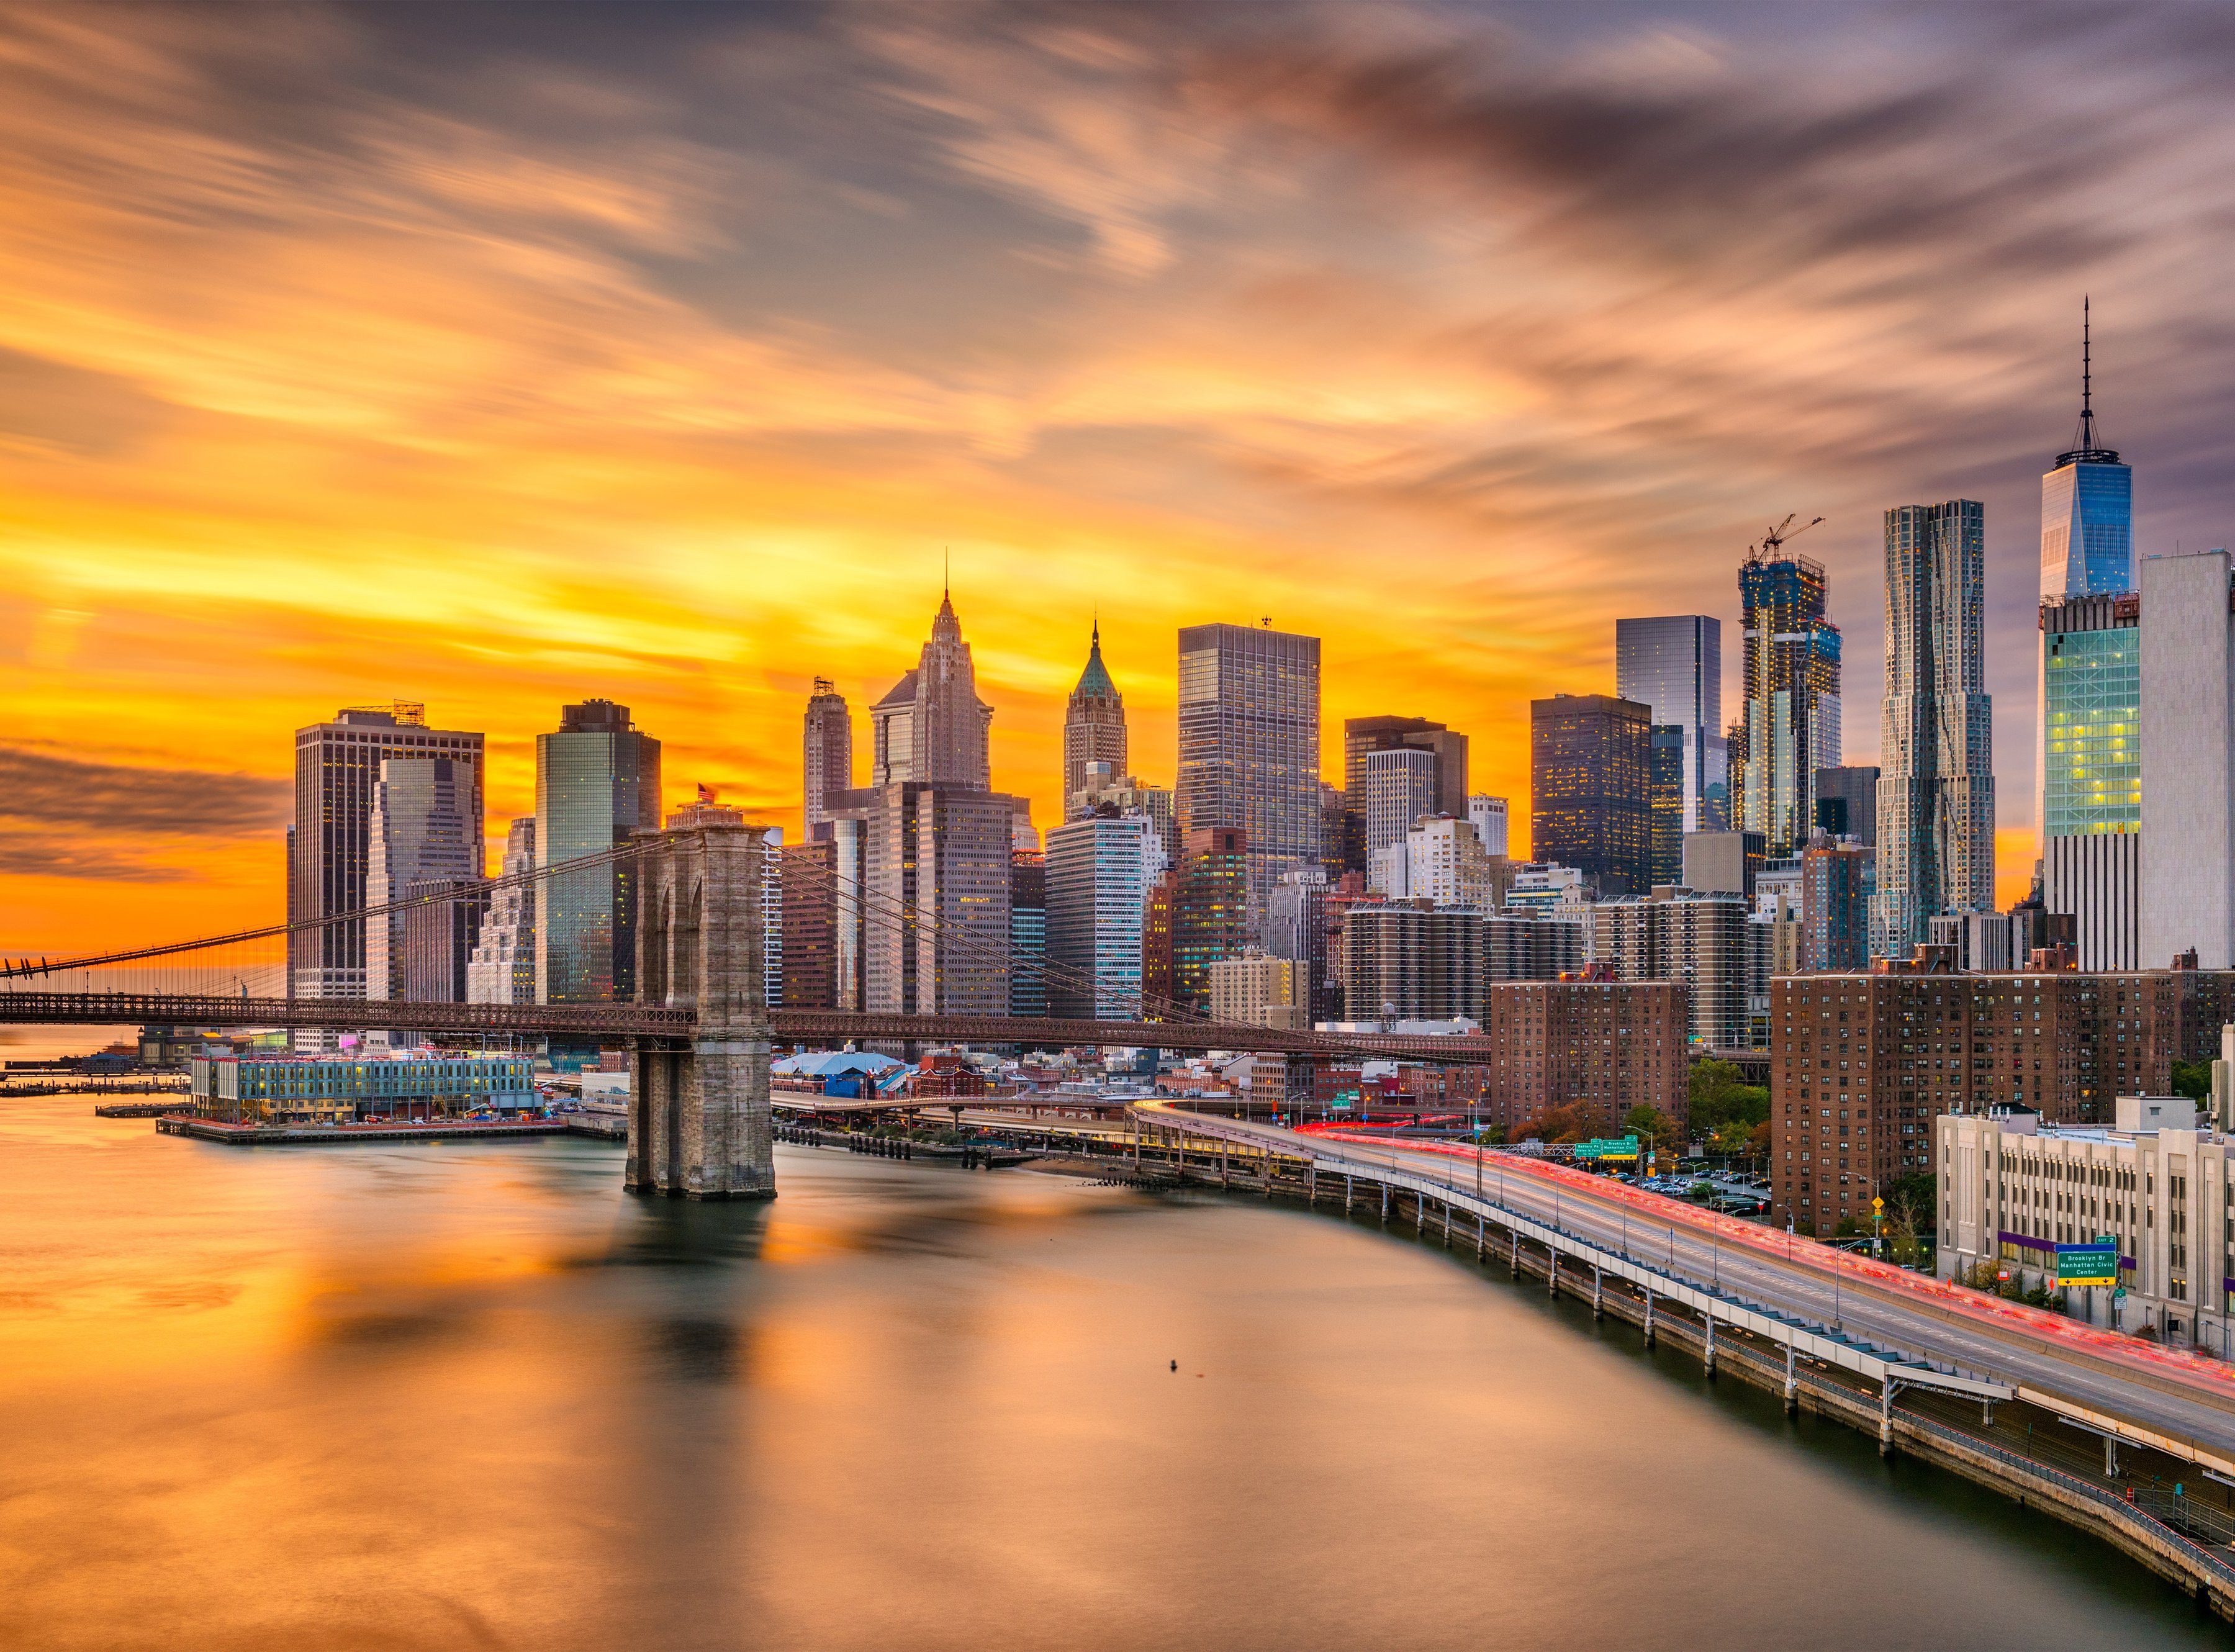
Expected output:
(1249, 747)
(2088, 778)
(1935, 816)
(931, 726)
(935, 842)
(1789, 726)
(826, 757)
(1093, 725)
(1673, 663)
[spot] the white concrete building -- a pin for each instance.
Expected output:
(2188, 790)
(1487, 815)
(2013, 1189)
(1401, 787)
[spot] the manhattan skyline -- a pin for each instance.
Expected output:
(665, 362)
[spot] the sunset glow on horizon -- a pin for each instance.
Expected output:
(361, 353)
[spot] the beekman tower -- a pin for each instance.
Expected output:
(2088, 791)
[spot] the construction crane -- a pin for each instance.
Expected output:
(1774, 541)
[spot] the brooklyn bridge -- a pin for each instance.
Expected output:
(700, 1028)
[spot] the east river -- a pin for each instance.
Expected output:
(472, 1396)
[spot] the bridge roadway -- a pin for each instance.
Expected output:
(2150, 1395)
(648, 1021)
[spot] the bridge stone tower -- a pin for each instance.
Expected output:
(698, 1117)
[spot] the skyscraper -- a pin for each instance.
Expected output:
(2087, 507)
(424, 828)
(2088, 745)
(1099, 872)
(1847, 801)
(1210, 908)
(1589, 807)
(2091, 773)
(597, 780)
(502, 969)
(1673, 663)
(1027, 932)
(931, 727)
(1093, 725)
(1835, 930)
(1399, 786)
(826, 756)
(1489, 816)
(809, 876)
(935, 844)
(1789, 725)
(1665, 803)
(1935, 851)
(2188, 713)
(936, 902)
(1249, 746)
(337, 768)
(1447, 769)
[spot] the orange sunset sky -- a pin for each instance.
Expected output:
(497, 358)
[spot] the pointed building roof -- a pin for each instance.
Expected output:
(1094, 682)
(2084, 448)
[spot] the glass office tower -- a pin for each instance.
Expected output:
(2088, 784)
(597, 781)
(2087, 506)
(1673, 663)
(1591, 789)
(2091, 772)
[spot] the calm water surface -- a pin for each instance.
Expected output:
(471, 1396)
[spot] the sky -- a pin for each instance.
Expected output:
(498, 358)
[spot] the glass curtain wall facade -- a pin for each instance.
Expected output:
(1097, 892)
(1673, 663)
(2091, 772)
(1589, 791)
(1249, 747)
(1935, 816)
(597, 781)
(1789, 725)
(2087, 779)
(1665, 796)
(423, 829)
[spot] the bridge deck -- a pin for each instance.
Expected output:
(645, 1020)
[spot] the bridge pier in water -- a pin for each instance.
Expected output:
(698, 1124)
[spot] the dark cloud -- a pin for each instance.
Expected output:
(76, 797)
(25, 856)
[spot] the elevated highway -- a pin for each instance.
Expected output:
(2103, 1384)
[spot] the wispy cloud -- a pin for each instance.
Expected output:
(352, 350)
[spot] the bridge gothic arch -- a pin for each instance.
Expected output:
(698, 1115)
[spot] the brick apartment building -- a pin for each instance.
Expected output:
(1608, 1045)
(1861, 1065)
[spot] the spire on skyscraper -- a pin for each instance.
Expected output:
(2084, 448)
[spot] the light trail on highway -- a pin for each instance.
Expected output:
(2172, 1393)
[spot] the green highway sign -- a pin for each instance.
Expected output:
(2096, 1264)
(1619, 1147)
